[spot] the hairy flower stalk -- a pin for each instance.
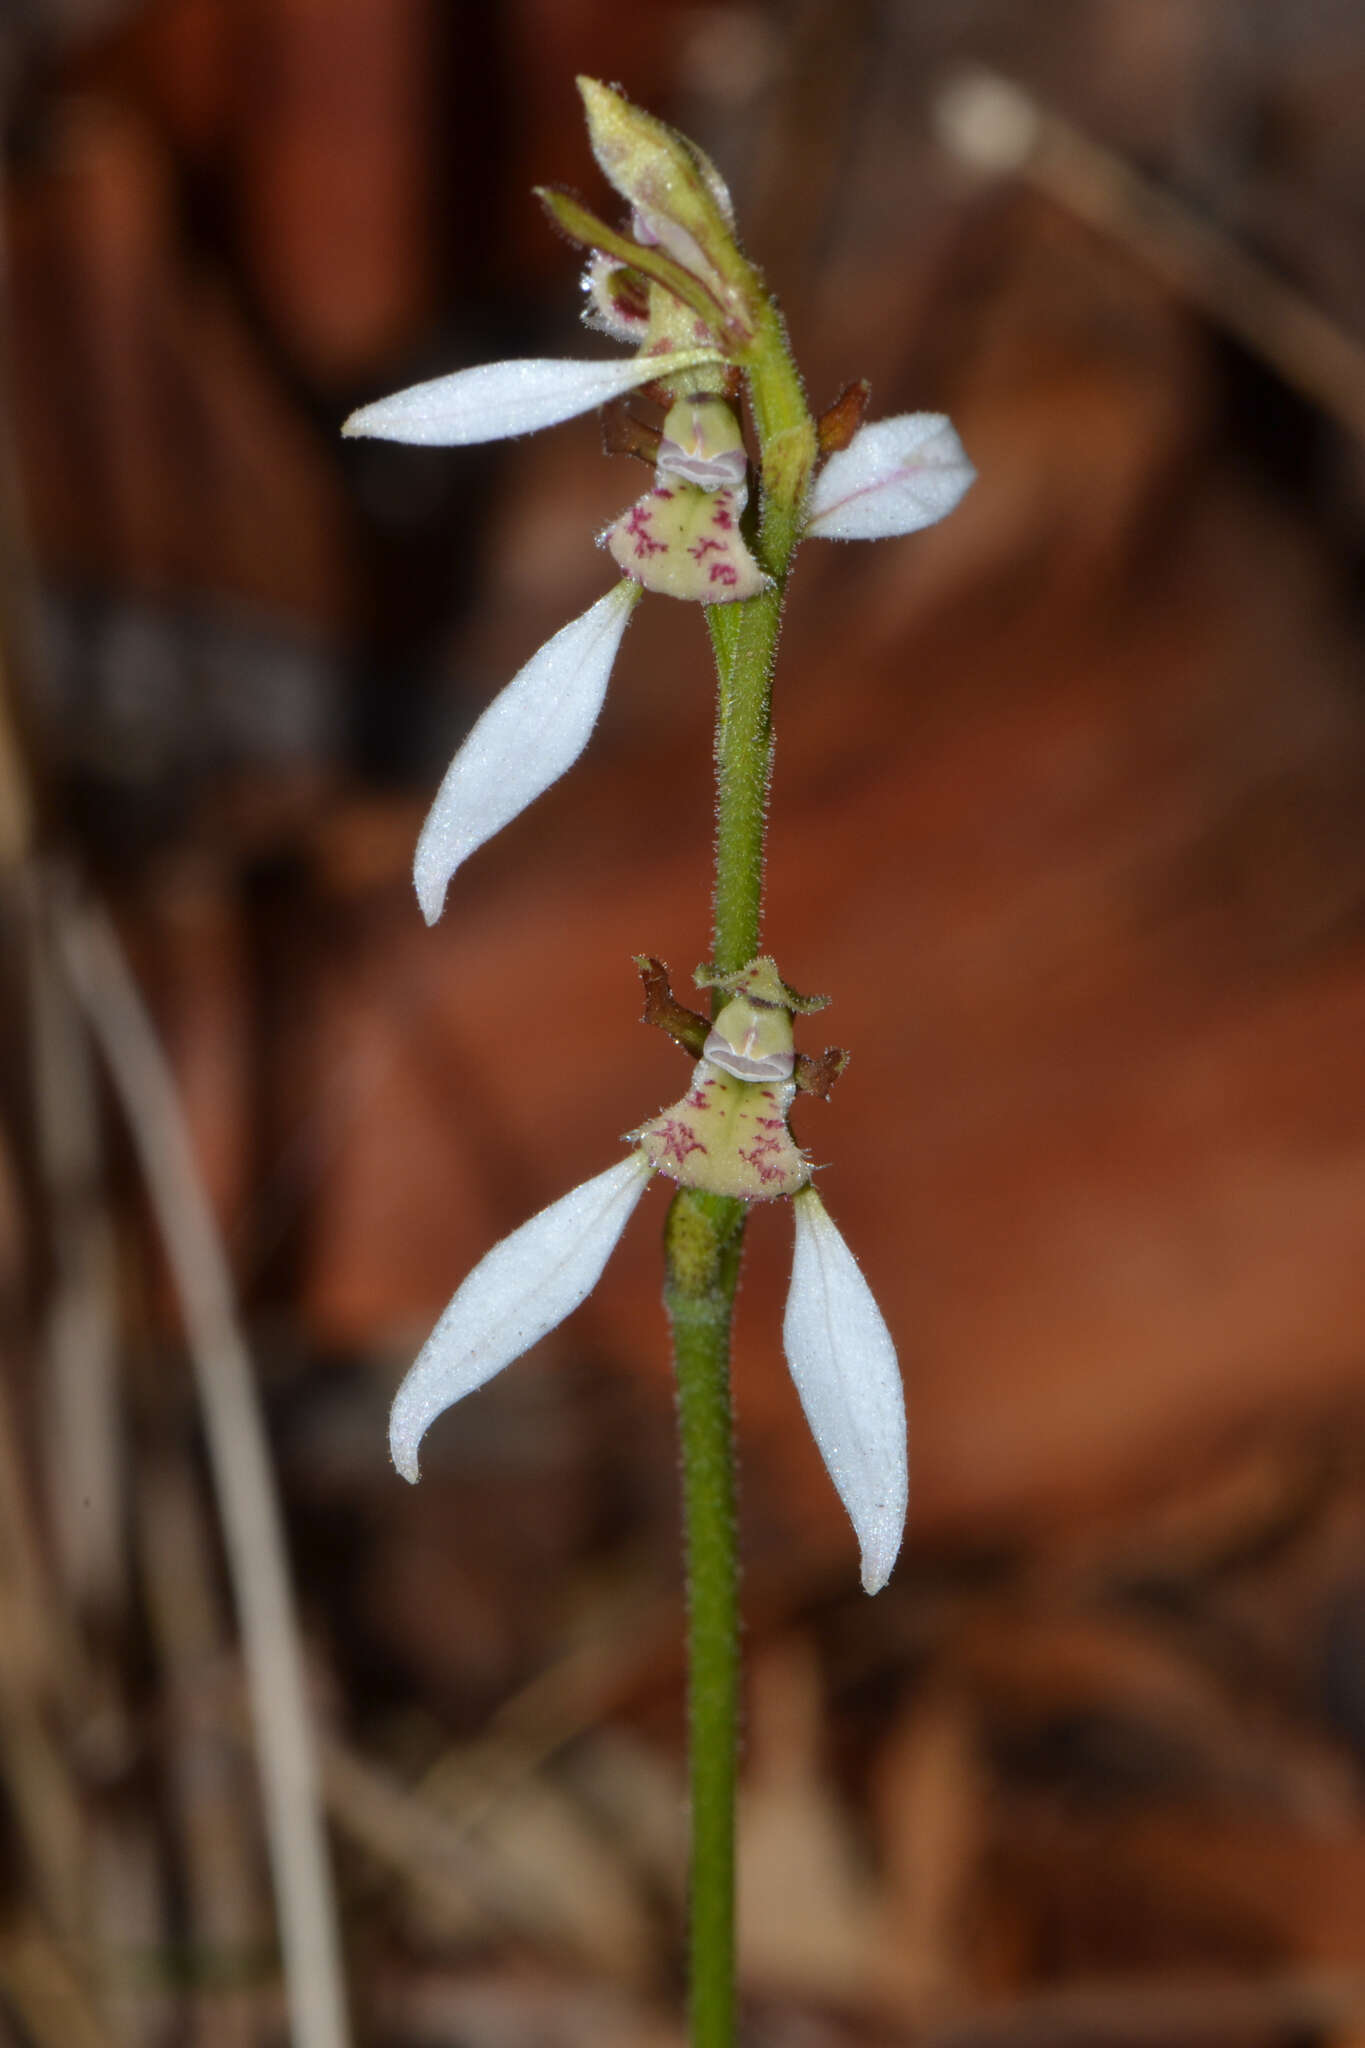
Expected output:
(674, 286)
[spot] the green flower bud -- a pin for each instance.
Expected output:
(679, 199)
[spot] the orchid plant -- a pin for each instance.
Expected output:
(705, 335)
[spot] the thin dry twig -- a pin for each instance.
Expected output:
(37, 1776)
(82, 1439)
(991, 122)
(225, 1911)
(248, 1502)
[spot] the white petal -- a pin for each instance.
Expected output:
(525, 1286)
(894, 476)
(535, 729)
(494, 400)
(844, 1365)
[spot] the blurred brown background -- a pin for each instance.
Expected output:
(1067, 822)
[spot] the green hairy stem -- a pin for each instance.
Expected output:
(704, 1233)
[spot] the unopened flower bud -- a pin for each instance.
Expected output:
(678, 200)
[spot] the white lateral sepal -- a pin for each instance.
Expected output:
(526, 739)
(525, 1286)
(844, 1365)
(894, 477)
(495, 400)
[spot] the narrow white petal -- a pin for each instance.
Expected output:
(525, 1286)
(494, 400)
(894, 476)
(535, 729)
(844, 1365)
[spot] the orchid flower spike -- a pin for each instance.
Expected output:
(728, 1135)
(679, 292)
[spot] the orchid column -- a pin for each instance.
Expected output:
(675, 286)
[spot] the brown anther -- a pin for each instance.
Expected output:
(836, 426)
